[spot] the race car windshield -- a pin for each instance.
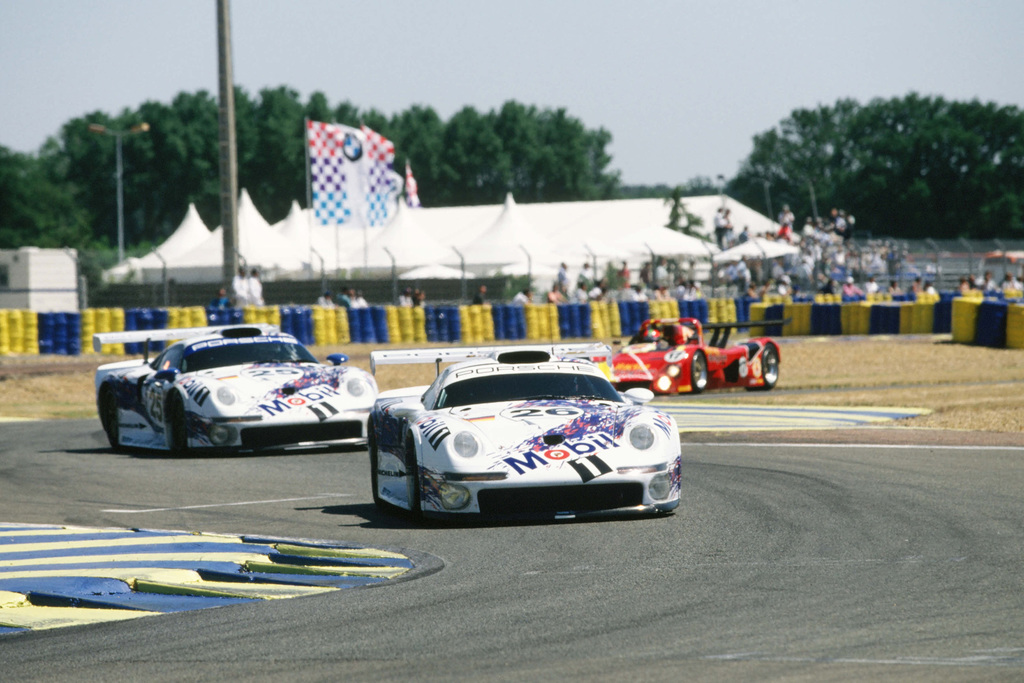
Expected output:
(524, 387)
(244, 354)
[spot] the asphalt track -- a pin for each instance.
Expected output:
(785, 561)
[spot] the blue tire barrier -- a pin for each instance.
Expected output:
(826, 319)
(44, 322)
(702, 310)
(60, 334)
(774, 312)
(369, 333)
(74, 322)
(430, 323)
(379, 315)
(942, 320)
(498, 314)
(586, 326)
(355, 328)
(991, 328)
(515, 323)
(454, 324)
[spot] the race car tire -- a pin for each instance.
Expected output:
(371, 446)
(769, 368)
(698, 372)
(177, 430)
(109, 417)
(413, 478)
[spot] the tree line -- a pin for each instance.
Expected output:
(906, 167)
(909, 167)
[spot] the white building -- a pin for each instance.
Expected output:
(41, 280)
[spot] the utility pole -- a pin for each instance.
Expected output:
(226, 142)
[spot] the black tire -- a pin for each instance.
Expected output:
(109, 417)
(698, 372)
(371, 446)
(177, 430)
(412, 469)
(769, 368)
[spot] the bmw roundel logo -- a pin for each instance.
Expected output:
(352, 147)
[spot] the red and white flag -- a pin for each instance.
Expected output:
(381, 178)
(412, 194)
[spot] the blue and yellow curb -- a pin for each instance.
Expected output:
(54, 576)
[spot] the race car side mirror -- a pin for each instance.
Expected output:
(168, 375)
(638, 395)
(337, 358)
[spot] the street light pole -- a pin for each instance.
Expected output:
(119, 174)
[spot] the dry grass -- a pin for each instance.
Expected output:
(966, 387)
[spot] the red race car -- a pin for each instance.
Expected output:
(670, 356)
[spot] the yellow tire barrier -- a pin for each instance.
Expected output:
(965, 318)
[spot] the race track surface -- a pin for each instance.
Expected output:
(790, 558)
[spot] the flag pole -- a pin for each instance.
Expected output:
(309, 194)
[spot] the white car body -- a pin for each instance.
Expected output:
(235, 388)
(521, 432)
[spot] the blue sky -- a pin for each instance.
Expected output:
(682, 86)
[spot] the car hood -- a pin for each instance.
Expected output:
(544, 424)
(270, 383)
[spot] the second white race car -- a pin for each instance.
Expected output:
(234, 388)
(520, 432)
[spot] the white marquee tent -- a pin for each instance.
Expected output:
(189, 233)
(488, 236)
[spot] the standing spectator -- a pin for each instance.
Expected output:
(254, 288)
(624, 273)
(405, 299)
(524, 297)
(871, 287)
(586, 277)
(555, 296)
(240, 289)
(661, 273)
(221, 301)
(325, 300)
(345, 298)
(358, 301)
(1010, 284)
(851, 289)
(563, 277)
(721, 226)
(786, 219)
(744, 236)
(481, 296)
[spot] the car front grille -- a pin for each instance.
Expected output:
(284, 435)
(556, 499)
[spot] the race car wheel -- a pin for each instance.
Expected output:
(769, 368)
(699, 372)
(109, 417)
(177, 431)
(371, 446)
(413, 477)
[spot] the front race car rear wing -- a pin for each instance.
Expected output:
(146, 336)
(595, 351)
(722, 330)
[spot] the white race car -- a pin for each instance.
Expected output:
(238, 388)
(520, 432)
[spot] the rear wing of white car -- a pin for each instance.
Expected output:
(146, 336)
(596, 352)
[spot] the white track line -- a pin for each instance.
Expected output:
(244, 502)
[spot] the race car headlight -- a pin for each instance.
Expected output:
(466, 444)
(454, 496)
(641, 437)
(357, 386)
(222, 434)
(226, 396)
(672, 371)
(664, 383)
(660, 486)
